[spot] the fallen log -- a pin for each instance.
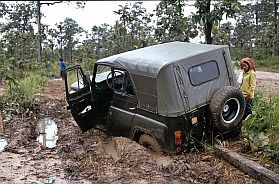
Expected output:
(250, 167)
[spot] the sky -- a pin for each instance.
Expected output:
(94, 13)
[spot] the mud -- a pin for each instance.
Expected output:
(95, 157)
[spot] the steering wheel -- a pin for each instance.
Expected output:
(110, 83)
(107, 81)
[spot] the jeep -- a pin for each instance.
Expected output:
(161, 96)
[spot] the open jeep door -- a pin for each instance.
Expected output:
(79, 97)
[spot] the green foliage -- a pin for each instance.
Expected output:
(207, 16)
(68, 29)
(265, 115)
(172, 25)
(269, 64)
(20, 98)
(3, 9)
(17, 34)
(87, 65)
(263, 126)
(131, 31)
(256, 32)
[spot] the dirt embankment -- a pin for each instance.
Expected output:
(94, 157)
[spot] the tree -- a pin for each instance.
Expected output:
(267, 28)
(207, 16)
(18, 32)
(245, 30)
(222, 34)
(69, 29)
(256, 29)
(133, 29)
(3, 9)
(139, 25)
(172, 25)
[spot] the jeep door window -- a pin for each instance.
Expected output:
(78, 77)
(122, 83)
(102, 73)
(204, 72)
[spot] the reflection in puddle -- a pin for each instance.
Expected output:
(3, 143)
(48, 133)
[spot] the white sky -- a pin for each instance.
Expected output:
(94, 13)
(97, 13)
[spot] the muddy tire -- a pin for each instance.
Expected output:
(227, 108)
(150, 143)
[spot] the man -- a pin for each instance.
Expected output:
(63, 68)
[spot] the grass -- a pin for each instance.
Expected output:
(265, 116)
(270, 64)
(263, 127)
(19, 97)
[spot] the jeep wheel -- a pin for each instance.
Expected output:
(150, 143)
(227, 108)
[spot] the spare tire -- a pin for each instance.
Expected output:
(227, 108)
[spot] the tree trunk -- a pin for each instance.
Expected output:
(275, 16)
(71, 54)
(208, 30)
(39, 32)
(1, 124)
(208, 25)
(1, 93)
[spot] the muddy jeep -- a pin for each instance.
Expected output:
(162, 96)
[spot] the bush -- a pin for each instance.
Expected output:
(265, 115)
(20, 97)
(263, 126)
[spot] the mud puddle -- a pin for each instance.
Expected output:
(160, 159)
(47, 133)
(111, 151)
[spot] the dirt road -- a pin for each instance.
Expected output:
(268, 82)
(94, 157)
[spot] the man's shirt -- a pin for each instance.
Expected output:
(63, 66)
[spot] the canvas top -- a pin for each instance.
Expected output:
(150, 60)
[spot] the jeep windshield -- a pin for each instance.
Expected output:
(102, 74)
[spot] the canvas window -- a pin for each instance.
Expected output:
(203, 73)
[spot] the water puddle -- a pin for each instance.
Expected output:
(3, 143)
(48, 133)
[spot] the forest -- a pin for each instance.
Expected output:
(30, 50)
(254, 34)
